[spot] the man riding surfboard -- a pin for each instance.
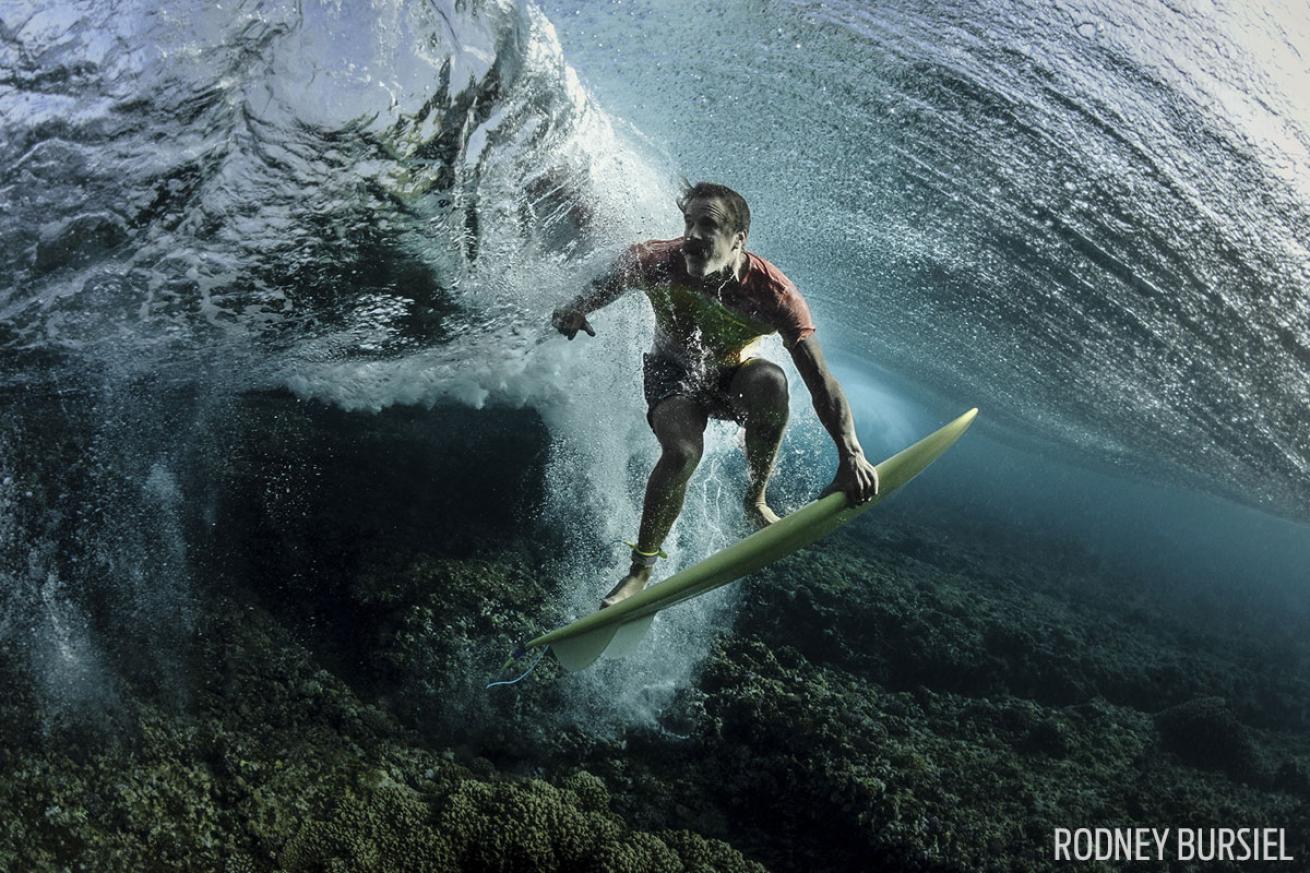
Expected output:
(713, 301)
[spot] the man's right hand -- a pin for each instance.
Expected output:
(569, 321)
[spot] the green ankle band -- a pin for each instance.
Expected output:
(645, 559)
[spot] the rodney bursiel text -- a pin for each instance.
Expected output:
(1180, 844)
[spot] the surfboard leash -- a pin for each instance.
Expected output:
(519, 653)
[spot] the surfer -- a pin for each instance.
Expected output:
(714, 301)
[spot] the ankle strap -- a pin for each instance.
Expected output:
(645, 559)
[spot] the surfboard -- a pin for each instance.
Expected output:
(616, 630)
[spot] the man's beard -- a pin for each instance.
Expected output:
(720, 274)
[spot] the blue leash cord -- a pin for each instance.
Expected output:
(519, 653)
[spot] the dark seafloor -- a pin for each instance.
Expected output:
(899, 697)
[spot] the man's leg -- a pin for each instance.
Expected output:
(679, 424)
(759, 391)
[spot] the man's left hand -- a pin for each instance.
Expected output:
(856, 477)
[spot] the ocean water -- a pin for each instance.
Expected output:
(1089, 219)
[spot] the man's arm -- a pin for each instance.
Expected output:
(855, 475)
(604, 290)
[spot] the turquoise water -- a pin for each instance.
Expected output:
(1088, 219)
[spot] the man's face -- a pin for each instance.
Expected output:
(709, 245)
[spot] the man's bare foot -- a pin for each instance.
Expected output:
(759, 514)
(629, 585)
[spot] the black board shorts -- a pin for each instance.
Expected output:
(664, 377)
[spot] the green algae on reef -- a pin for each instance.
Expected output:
(281, 767)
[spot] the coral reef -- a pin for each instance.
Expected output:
(281, 767)
(898, 697)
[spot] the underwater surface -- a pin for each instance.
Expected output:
(291, 458)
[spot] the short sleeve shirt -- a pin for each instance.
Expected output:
(719, 326)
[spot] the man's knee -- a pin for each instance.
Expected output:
(682, 455)
(679, 425)
(761, 391)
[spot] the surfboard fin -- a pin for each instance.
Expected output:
(612, 641)
(628, 636)
(578, 652)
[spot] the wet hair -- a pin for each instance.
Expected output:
(739, 214)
